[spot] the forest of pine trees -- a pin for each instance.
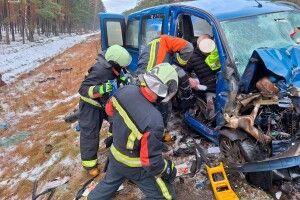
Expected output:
(47, 17)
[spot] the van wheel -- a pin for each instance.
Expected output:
(247, 151)
(231, 150)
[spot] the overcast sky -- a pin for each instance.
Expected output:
(118, 6)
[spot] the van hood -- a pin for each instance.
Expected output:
(278, 63)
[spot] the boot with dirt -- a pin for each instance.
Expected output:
(93, 171)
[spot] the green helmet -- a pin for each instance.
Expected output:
(118, 54)
(162, 80)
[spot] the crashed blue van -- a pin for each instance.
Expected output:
(257, 100)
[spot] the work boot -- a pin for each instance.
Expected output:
(93, 171)
(167, 137)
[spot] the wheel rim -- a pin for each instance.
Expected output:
(231, 151)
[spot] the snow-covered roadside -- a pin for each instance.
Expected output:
(18, 58)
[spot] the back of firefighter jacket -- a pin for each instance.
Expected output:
(147, 119)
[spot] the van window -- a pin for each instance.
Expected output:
(190, 27)
(132, 35)
(151, 27)
(201, 26)
(115, 33)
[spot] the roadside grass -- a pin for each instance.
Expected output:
(47, 127)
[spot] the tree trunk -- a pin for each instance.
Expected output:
(0, 32)
(12, 31)
(6, 20)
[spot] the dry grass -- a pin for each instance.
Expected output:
(66, 83)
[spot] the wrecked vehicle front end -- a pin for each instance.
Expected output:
(267, 109)
(257, 123)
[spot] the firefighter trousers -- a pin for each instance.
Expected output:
(116, 175)
(90, 122)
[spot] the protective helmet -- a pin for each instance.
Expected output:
(119, 55)
(162, 80)
(206, 45)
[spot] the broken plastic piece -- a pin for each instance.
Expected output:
(220, 184)
(213, 150)
(183, 169)
(3, 126)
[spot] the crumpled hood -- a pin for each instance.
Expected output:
(284, 62)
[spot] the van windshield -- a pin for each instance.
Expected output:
(271, 30)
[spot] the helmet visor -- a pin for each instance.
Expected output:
(155, 85)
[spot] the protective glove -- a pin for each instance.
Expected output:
(169, 174)
(126, 79)
(105, 88)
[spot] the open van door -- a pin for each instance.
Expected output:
(113, 28)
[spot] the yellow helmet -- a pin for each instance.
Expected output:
(119, 55)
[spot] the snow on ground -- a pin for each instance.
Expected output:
(38, 171)
(18, 58)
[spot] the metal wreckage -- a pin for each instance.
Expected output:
(257, 126)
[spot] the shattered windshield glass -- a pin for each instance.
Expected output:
(271, 30)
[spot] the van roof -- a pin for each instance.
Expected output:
(226, 10)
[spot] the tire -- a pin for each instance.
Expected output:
(247, 150)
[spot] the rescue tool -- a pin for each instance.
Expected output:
(221, 187)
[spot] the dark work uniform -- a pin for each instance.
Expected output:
(92, 111)
(205, 75)
(136, 152)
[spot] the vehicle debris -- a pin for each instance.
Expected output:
(72, 116)
(246, 122)
(63, 70)
(48, 148)
(49, 187)
(213, 150)
(183, 169)
(278, 194)
(4, 126)
(46, 80)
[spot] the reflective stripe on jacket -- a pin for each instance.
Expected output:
(137, 130)
(99, 74)
(158, 51)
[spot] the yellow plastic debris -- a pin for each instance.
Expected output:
(220, 184)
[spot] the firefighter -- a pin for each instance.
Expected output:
(94, 92)
(136, 152)
(159, 51)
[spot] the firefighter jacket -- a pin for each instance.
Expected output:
(137, 130)
(204, 73)
(159, 50)
(98, 74)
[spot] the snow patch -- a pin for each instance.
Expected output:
(18, 58)
(34, 111)
(22, 161)
(37, 172)
(68, 161)
(52, 104)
